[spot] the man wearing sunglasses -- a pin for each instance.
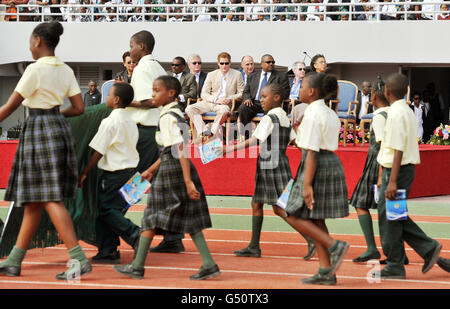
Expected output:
(220, 88)
(195, 67)
(187, 81)
(251, 105)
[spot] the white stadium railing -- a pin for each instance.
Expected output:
(373, 11)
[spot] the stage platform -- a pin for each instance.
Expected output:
(235, 174)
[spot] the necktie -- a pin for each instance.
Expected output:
(263, 83)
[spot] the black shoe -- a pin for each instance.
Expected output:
(205, 273)
(373, 256)
(173, 246)
(431, 258)
(389, 274)
(71, 273)
(337, 256)
(130, 271)
(248, 252)
(311, 251)
(444, 264)
(320, 280)
(384, 262)
(11, 271)
(112, 258)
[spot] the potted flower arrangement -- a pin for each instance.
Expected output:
(356, 138)
(441, 136)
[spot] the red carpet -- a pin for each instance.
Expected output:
(236, 175)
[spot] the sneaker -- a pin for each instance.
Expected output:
(173, 246)
(337, 256)
(10, 271)
(444, 264)
(311, 251)
(112, 258)
(431, 258)
(130, 271)
(205, 273)
(248, 252)
(321, 279)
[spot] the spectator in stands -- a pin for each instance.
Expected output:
(92, 96)
(252, 12)
(429, 8)
(247, 67)
(138, 17)
(129, 64)
(318, 63)
(444, 15)
(299, 69)
(220, 88)
(209, 15)
(187, 81)
(251, 104)
(195, 67)
(84, 15)
(363, 98)
(12, 9)
(313, 11)
(388, 11)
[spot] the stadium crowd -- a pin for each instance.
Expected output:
(226, 10)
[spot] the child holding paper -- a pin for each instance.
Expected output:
(363, 195)
(177, 201)
(273, 171)
(115, 154)
(398, 155)
(319, 191)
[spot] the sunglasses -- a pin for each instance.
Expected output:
(269, 62)
(131, 62)
(302, 69)
(195, 63)
(176, 64)
(224, 63)
(416, 98)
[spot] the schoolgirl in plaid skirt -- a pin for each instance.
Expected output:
(319, 190)
(176, 201)
(44, 171)
(363, 195)
(273, 171)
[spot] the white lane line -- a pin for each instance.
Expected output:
(283, 274)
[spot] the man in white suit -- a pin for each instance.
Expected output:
(220, 88)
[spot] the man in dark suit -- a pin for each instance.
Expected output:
(256, 81)
(187, 81)
(363, 97)
(195, 67)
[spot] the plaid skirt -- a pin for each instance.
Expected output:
(329, 187)
(270, 181)
(45, 165)
(168, 205)
(362, 196)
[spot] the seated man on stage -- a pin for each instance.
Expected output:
(256, 81)
(220, 88)
(187, 80)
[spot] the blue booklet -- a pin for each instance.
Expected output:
(397, 209)
(211, 150)
(134, 189)
(283, 199)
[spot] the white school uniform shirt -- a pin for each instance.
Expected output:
(400, 133)
(265, 126)
(378, 123)
(144, 74)
(319, 128)
(116, 140)
(169, 131)
(46, 82)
